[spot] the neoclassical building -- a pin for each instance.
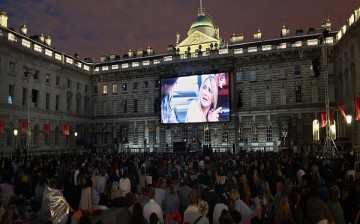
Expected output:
(293, 91)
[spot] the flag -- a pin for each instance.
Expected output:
(24, 124)
(357, 109)
(46, 129)
(323, 119)
(1, 126)
(66, 129)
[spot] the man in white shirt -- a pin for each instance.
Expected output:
(152, 207)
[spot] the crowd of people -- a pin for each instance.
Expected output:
(195, 188)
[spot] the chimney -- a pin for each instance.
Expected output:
(3, 19)
(23, 30)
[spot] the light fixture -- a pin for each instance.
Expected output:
(348, 119)
(75, 133)
(16, 131)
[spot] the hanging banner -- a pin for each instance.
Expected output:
(323, 119)
(1, 126)
(46, 129)
(24, 124)
(357, 109)
(66, 129)
(342, 112)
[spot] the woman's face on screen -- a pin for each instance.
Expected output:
(206, 94)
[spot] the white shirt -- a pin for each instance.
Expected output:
(217, 212)
(125, 186)
(151, 207)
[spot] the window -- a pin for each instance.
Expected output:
(207, 136)
(68, 83)
(146, 84)
(78, 104)
(225, 134)
(254, 133)
(36, 74)
(157, 84)
(125, 106)
(135, 105)
(24, 96)
(47, 139)
(26, 71)
(47, 101)
(57, 102)
(269, 131)
(11, 94)
(47, 78)
(36, 135)
(157, 105)
(57, 135)
(68, 102)
(252, 76)
(239, 76)
(12, 67)
(297, 70)
(104, 89)
(86, 88)
(241, 133)
(95, 88)
(78, 85)
(114, 88)
(124, 87)
(57, 80)
(184, 133)
(298, 94)
(136, 139)
(282, 96)
(135, 86)
(86, 105)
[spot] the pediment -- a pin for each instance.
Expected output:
(197, 38)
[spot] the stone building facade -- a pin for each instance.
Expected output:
(277, 92)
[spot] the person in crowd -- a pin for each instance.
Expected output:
(205, 109)
(183, 193)
(101, 186)
(283, 215)
(172, 206)
(335, 206)
(154, 219)
(151, 206)
(124, 216)
(137, 216)
(167, 108)
(316, 209)
(240, 205)
(124, 184)
(212, 199)
(219, 207)
(192, 214)
(160, 192)
(225, 217)
(235, 215)
(295, 208)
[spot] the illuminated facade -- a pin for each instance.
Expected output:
(277, 91)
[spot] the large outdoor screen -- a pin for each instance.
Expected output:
(196, 98)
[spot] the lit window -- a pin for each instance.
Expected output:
(241, 133)
(105, 90)
(254, 133)
(114, 88)
(269, 132)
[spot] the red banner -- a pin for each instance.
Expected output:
(46, 129)
(1, 126)
(323, 119)
(24, 126)
(357, 109)
(342, 112)
(66, 129)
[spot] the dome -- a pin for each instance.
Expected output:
(202, 20)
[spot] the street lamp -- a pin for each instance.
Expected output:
(348, 121)
(16, 132)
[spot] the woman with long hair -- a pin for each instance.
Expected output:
(284, 216)
(205, 109)
(137, 216)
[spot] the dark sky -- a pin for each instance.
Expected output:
(97, 27)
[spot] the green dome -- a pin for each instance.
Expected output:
(202, 20)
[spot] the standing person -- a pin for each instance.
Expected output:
(284, 214)
(205, 109)
(192, 213)
(124, 184)
(335, 206)
(183, 192)
(160, 192)
(152, 206)
(167, 108)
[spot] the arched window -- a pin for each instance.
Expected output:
(241, 133)
(269, 136)
(315, 130)
(254, 132)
